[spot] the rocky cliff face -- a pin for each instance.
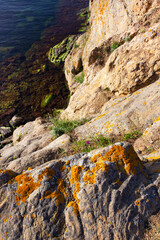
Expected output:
(118, 55)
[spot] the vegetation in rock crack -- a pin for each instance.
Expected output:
(75, 45)
(80, 78)
(134, 134)
(64, 126)
(114, 46)
(127, 39)
(89, 144)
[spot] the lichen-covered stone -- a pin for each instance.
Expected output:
(55, 200)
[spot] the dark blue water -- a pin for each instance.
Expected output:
(22, 22)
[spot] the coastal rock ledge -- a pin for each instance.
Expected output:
(113, 73)
(104, 194)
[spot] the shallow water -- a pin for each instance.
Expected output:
(22, 22)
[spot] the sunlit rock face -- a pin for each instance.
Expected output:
(118, 55)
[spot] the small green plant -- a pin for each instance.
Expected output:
(114, 46)
(19, 137)
(80, 78)
(103, 141)
(75, 45)
(132, 135)
(64, 126)
(127, 39)
(143, 31)
(90, 144)
(107, 89)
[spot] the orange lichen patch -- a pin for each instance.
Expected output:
(59, 197)
(6, 219)
(68, 162)
(120, 113)
(6, 233)
(62, 168)
(75, 207)
(96, 157)
(125, 160)
(89, 177)
(33, 215)
(147, 200)
(47, 172)
(153, 158)
(75, 174)
(29, 168)
(158, 119)
(145, 132)
(144, 103)
(136, 93)
(138, 203)
(26, 186)
(61, 187)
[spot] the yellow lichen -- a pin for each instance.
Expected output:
(125, 160)
(75, 174)
(61, 187)
(75, 207)
(96, 157)
(89, 177)
(49, 172)
(158, 119)
(138, 203)
(68, 162)
(62, 168)
(26, 186)
(59, 197)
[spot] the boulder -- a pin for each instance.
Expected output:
(5, 132)
(124, 114)
(104, 194)
(150, 139)
(16, 121)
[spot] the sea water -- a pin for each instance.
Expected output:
(22, 22)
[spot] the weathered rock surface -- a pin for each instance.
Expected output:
(133, 64)
(136, 111)
(150, 140)
(85, 196)
(33, 145)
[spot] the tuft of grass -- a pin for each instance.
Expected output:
(127, 39)
(114, 46)
(64, 126)
(90, 144)
(132, 135)
(80, 78)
